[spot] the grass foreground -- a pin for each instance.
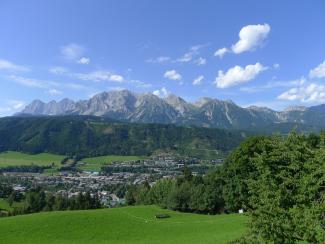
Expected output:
(121, 225)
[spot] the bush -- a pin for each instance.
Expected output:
(162, 216)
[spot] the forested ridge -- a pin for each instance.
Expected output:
(94, 136)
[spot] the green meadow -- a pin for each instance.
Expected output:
(95, 163)
(121, 225)
(11, 158)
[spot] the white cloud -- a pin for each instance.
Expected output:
(172, 75)
(76, 86)
(198, 80)
(58, 70)
(237, 75)
(221, 52)
(161, 59)
(99, 76)
(276, 66)
(72, 51)
(50, 87)
(312, 93)
(9, 66)
(27, 81)
(11, 106)
(140, 84)
(200, 61)
(16, 104)
(250, 37)
(54, 92)
(116, 88)
(163, 92)
(30, 82)
(290, 83)
(274, 84)
(276, 105)
(83, 60)
(318, 72)
(116, 78)
(187, 57)
(197, 47)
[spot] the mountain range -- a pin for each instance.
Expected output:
(128, 106)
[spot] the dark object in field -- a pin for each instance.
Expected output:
(162, 216)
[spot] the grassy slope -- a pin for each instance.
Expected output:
(96, 163)
(5, 205)
(120, 225)
(17, 158)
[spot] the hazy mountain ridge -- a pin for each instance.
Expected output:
(148, 108)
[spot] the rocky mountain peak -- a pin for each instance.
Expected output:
(148, 108)
(295, 108)
(202, 101)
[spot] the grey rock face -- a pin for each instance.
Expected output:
(38, 107)
(148, 108)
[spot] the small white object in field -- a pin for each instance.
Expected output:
(241, 211)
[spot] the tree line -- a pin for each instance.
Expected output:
(37, 200)
(188, 193)
(25, 168)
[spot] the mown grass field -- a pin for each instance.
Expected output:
(121, 225)
(11, 158)
(95, 163)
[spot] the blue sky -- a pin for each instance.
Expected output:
(267, 53)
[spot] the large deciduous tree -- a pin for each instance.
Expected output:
(287, 197)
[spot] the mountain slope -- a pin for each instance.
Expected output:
(37, 107)
(95, 136)
(148, 108)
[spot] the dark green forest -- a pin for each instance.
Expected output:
(94, 136)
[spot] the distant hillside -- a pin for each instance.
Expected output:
(94, 136)
(207, 112)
